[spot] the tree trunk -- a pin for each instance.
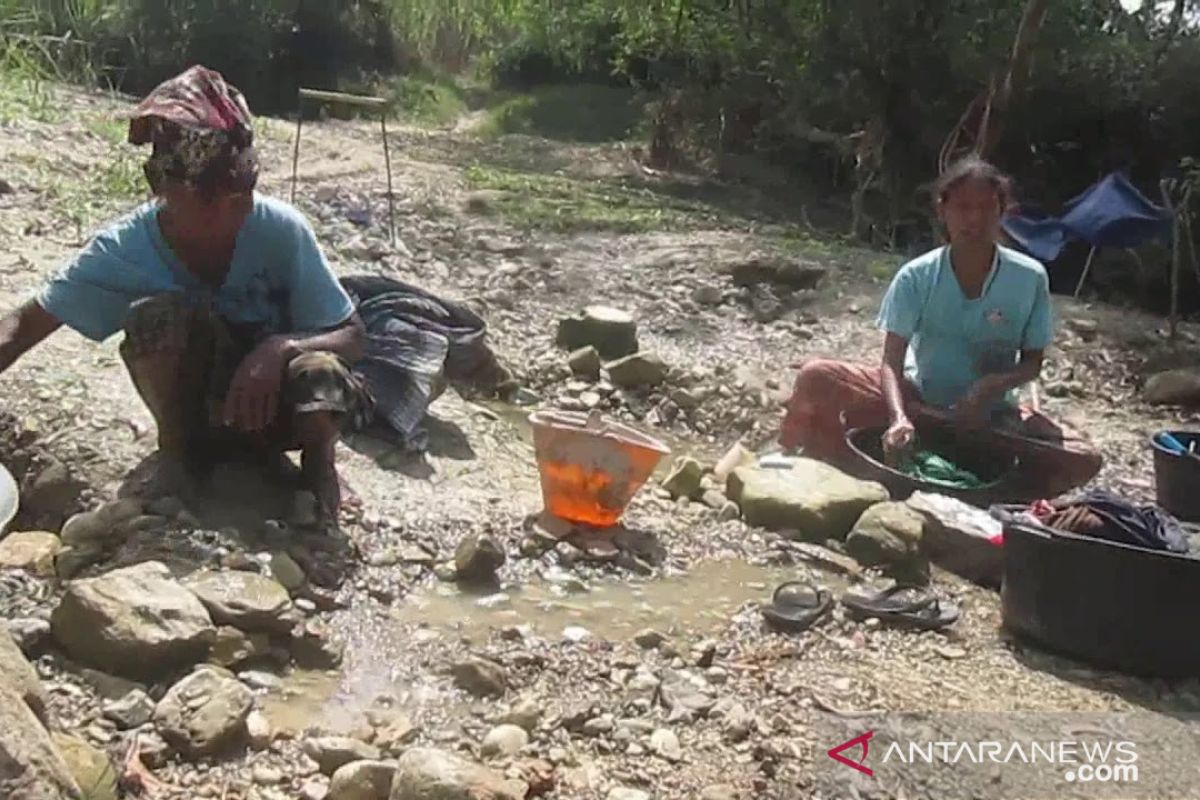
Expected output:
(1018, 75)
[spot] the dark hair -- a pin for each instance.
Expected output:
(972, 167)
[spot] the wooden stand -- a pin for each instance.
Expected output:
(376, 104)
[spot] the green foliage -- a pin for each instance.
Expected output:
(581, 113)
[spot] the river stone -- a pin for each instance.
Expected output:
(611, 331)
(526, 714)
(395, 734)
(765, 268)
(92, 769)
(70, 561)
(719, 792)
(959, 537)
(334, 752)
(204, 713)
(637, 370)
(287, 572)
(135, 622)
(245, 600)
(665, 744)
(802, 495)
(363, 780)
(20, 676)
(106, 525)
(504, 741)
(52, 494)
(1176, 387)
(477, 558)
(585, 363)
(31, 767)
(684, 480)
(428, 774)
(133, 710)
(259, 734)
(480, 677)
(30, 633)
(889, 535)
(232, 647)
(32, 551)
(621, 793)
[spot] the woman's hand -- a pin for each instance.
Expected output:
(899, 436)
(253, 397)
(972, 412)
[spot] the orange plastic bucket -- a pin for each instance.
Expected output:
(591, 467)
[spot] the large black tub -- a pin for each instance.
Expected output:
(1112, 605)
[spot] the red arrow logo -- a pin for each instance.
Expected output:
(857, 741)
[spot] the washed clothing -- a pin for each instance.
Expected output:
(204, 353)
(278, 281)
(954, 341)
(415, 340)
(1104, 515)
(831, 397)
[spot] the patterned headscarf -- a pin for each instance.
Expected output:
(202, 133)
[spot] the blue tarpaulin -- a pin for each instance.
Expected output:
(1111, 213)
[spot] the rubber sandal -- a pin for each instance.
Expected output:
(921, 609)
(797, 606)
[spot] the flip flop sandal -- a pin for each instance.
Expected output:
(923, 611)
(797, 606)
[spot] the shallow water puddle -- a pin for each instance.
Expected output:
(685, 608)
(693, 604)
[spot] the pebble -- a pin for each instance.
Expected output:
(314, 789)
(950, 653)
(504, 741)
(575, 634)
(649, 639)
(258, 731)
(267, 776)
(262, 681)
(598, 726)
(666, 745)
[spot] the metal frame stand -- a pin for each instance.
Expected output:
(377, 104)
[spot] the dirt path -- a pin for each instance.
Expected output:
(474, 222)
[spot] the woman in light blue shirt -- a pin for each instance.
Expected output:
(964, 326)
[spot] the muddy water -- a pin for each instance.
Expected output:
(686, 607)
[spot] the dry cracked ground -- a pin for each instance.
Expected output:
(633, 664)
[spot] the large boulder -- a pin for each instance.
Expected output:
(19, 675)
(135, 622)
(92, 769)
(246, 600)
(428, 774)
(611, 331)
(31, 767)
(1175, 387)
(889, 535)
(802, 496)
(204, 713)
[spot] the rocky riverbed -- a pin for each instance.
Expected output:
(223, 649)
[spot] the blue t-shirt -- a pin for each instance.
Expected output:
(278, 280)
(954, 341)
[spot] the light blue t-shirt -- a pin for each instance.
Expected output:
(278, 280)
(954, 341)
